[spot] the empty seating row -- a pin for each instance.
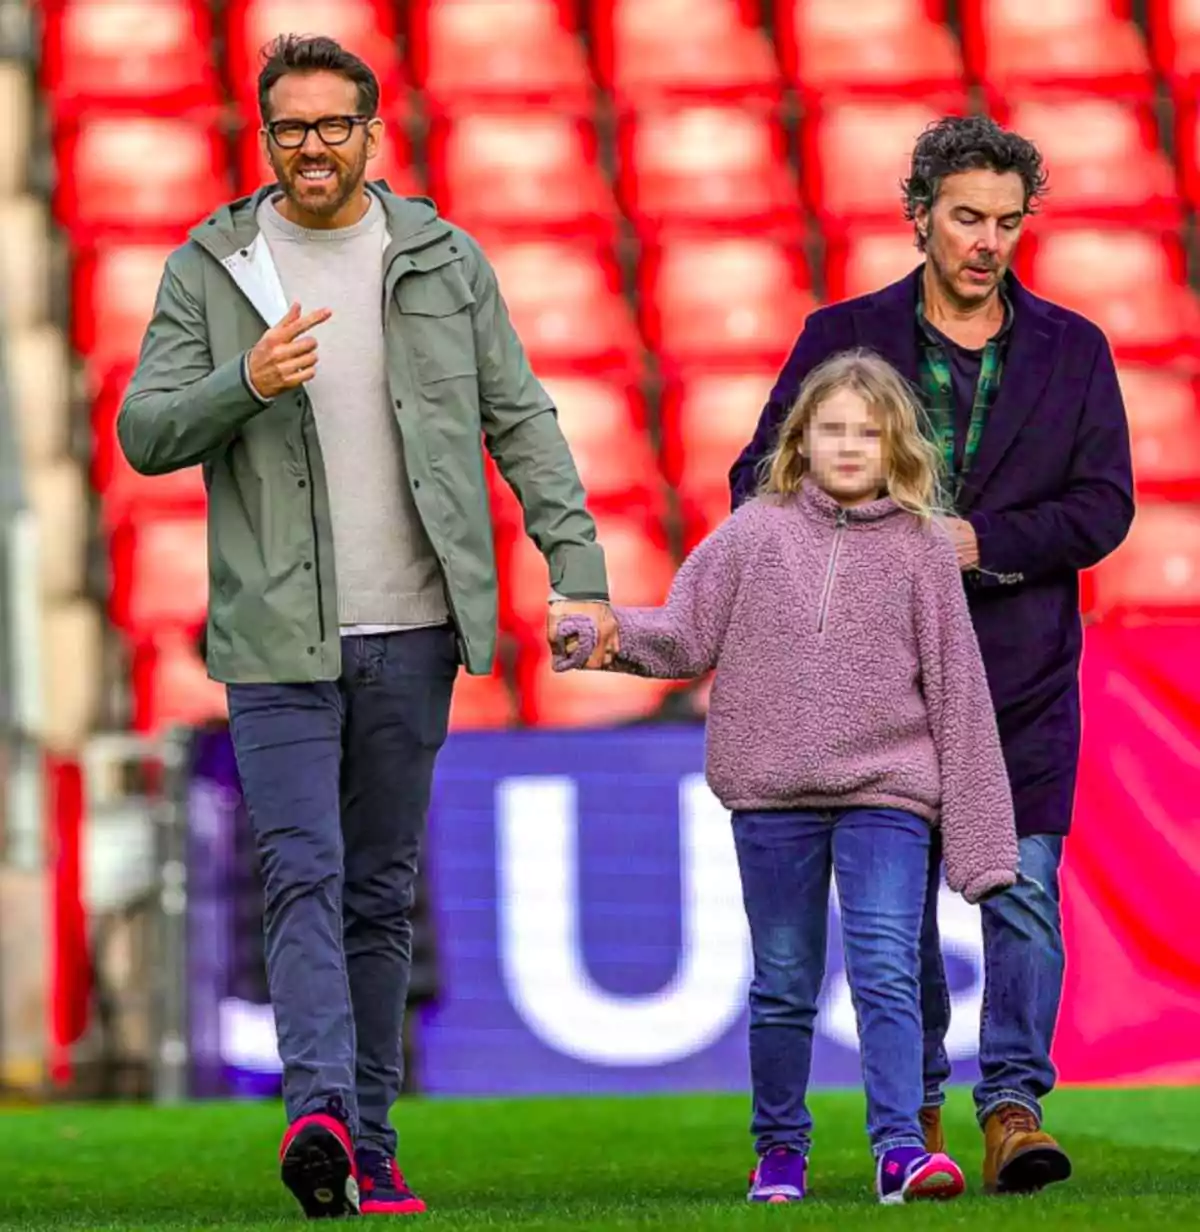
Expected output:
(154, 51)
(698, 165)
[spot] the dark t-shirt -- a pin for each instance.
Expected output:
(964, 377)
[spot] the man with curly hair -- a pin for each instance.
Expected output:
(1023, 401)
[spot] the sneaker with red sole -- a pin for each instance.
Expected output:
(384, 1189)
(316, 1162)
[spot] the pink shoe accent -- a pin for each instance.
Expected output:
(377, 1206)
(938, 1179)
(332, 1124)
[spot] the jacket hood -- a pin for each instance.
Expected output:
(413, 222)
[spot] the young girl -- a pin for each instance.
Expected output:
(849, 714)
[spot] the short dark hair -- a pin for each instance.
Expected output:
(969, 143)
(313, 53)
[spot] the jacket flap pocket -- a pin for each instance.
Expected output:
(438, 293)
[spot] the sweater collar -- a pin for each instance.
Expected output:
(819, 504)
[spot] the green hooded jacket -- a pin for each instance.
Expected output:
(458, 378)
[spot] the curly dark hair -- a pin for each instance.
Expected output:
(969, 143)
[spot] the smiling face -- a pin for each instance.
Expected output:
(322, 179)
(843, 444)
(971, 233)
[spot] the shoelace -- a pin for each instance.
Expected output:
(1017, 1120)
(380, 1170)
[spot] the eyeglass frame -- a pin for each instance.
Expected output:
(314, 127)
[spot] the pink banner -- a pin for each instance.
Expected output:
(1131, 1012)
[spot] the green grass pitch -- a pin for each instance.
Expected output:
(677, 1162)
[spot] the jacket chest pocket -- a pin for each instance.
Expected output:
(436, 308)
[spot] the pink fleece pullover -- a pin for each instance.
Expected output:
(847, 672)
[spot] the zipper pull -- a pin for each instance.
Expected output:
(842, 518)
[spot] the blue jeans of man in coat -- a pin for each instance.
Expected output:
(1023, 977)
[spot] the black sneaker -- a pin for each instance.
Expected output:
(316, 1162)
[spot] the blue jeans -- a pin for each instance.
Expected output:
(1023, 977)
(336, 777)
(880, 858)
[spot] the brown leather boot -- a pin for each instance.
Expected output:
(1019, 1156)
(931, 1126)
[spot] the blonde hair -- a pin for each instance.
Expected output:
(912, 466)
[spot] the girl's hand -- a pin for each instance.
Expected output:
(575, 642)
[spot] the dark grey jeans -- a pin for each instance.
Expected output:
(336, 778)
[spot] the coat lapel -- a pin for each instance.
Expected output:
(887, 324)
(1032, 352)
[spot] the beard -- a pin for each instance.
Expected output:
(348, 182)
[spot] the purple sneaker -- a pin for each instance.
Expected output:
(779, 1177)
(910, 1173)
(384, 1189)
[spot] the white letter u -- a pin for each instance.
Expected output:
(540, 954)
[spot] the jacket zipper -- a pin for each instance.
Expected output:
(831, 569)
(312, 514)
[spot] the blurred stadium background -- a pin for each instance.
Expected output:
(666, 188)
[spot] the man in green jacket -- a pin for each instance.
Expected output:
(336, 357)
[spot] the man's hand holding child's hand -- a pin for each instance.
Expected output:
(582, 635)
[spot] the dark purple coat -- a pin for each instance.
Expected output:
(1051, 493)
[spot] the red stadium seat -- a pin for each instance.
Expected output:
(1156, 572)
(708, 419)
(124, 494)
(700, 165)
(1175, 44)
(604, 422)
(520, 170)
(365, 27)
(1164, 421)
(160, 574)
(891, 46)
(640, 570)
(485, 51)
(171, 686)
(1131, 283)
(147, 54)
(710, 49)
(856, 153)
(1102, 155)
(1010, 44)
(725, 301)
(861, 261)
(1187, 149)
(566, 304)
(393, 163)
(114, 286)
(104, 184)
(482, 703)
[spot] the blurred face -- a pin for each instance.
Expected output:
(972, 232)
(844, 448)
(321, 170)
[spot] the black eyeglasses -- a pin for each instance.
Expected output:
(333, 130)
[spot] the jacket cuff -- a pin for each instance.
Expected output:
(577, 573)
(987, 574)
(984, 883)
(249, 384)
